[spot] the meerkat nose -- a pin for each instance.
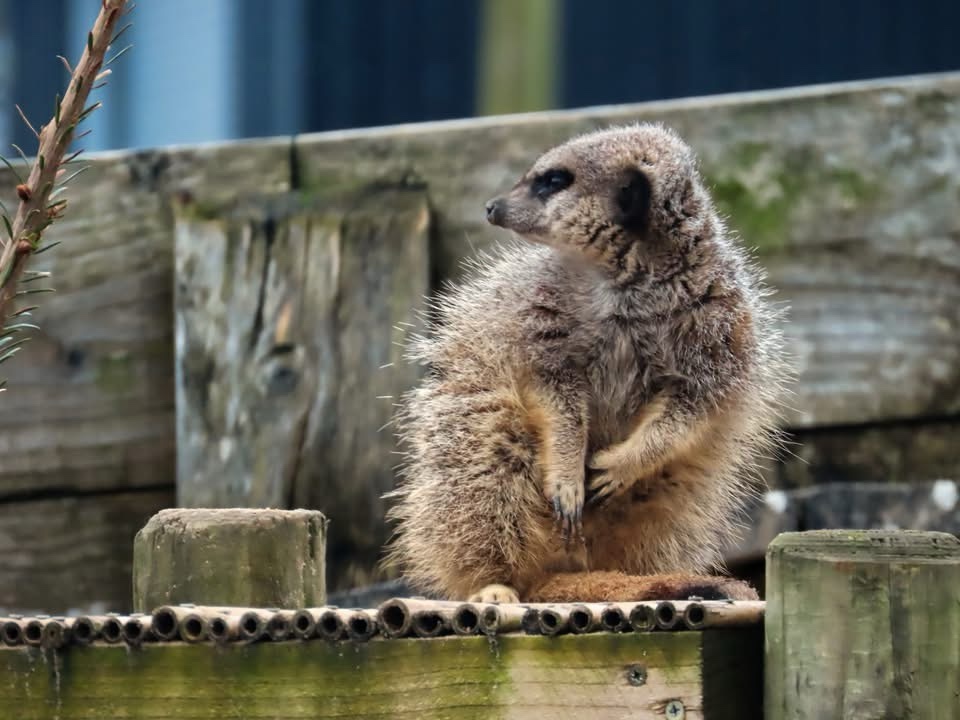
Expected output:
(495, 211)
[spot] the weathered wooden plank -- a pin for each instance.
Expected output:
(72, 553)
(862, 625)
(286, 357)
(590, 676)
(847, 190)
(90, 399)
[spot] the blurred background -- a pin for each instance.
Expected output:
(208, 70)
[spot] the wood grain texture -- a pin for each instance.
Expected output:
(233, 557)
(862, 625)
(590, 676)
(90, 399)
(286, 356)
(89, 412)
(72, 553)
(847, 191)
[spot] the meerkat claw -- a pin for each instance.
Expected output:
(569, 524)
(604, 487)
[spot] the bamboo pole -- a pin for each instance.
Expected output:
(56, 633)
(585, 618)
(253, 624)
(111, 629)
(11, 631)
(500, 619)
(361, 625)
(554, 620)
(167, 619)
(137, 629)
(466, 619)
(224, 627)
(305, 621)
(280, 625)
(666, 615)
(332, 624)
(433, 623)
(642, 617)
(33, 632)
(396, 615)
(615, 617)
(700, 615)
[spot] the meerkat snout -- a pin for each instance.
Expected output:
(495, 211)
(526, 208)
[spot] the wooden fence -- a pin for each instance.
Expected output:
(224, 316)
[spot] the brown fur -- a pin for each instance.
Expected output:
(617, 371)
(612, 586)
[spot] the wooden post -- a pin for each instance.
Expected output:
(235, 557)
(290, 315)
(862, 624)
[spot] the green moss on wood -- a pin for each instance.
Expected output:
(448, 677)
(761, 224)
(115, 372)
(761, 189)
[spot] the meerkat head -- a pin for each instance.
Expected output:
(608, 192)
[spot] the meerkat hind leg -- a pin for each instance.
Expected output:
(495, 594)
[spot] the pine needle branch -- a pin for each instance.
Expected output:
(35, 212)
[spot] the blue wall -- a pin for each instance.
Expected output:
(207, 70)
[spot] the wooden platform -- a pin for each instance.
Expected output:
(675, 674)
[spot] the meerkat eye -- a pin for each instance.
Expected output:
(550, 182)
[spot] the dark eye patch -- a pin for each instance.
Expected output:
(550, 182)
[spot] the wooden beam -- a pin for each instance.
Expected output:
(846, 190)
(72, 554)
(862, 624)
(692, 674)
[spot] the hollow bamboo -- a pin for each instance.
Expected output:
(11, 631)
(466, 619)
(361, 625)
(280, 625)
(332, 624)
(137, 629)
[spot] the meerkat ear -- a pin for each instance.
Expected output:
(633, 201)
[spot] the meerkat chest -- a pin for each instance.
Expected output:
(619, 373)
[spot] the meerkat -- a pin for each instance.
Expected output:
(597, 391)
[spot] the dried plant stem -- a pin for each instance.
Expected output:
(34, 212)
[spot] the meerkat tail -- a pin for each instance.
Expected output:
(612, 586)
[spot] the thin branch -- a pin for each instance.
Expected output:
(35, 211)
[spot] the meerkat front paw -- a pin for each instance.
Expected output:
(495, 594)
(607, 477)
(567, 498)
